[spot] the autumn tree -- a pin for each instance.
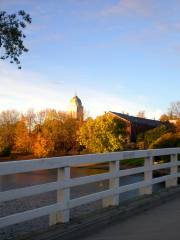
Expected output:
(174, 110)
(61, 129)
(141, 114)
(42, 146)
(104, 134)
(23, 139)
(177, 126)
(9, 117)
(30, 120)
(164, 118)
(86, 134)
(168, 140)
(12, 35)
(44, 133)
(152, 135)
(8, 121)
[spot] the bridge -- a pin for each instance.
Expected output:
(59, 212)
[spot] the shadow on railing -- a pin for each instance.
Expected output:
(60, 211)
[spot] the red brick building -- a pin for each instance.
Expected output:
(136, 125)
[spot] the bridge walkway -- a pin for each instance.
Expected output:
(162, 222)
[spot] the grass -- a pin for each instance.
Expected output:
(136, 162)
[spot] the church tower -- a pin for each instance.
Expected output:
(76, 108)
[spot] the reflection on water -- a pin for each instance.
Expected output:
(40, 177)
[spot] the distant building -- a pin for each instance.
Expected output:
(76, 109)
(136, 125)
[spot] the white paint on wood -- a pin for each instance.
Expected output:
(113, 184)
(59, 162)
(148, 162)
(63, 197)
(173, 170)
(30, 214)
(59, 212)
(66, 183)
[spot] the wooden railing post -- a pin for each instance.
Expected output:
(148, 162)
(173, 170)
(63, 196)
(113, 183)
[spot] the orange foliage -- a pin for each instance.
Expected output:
(22, 138)
(42, 146)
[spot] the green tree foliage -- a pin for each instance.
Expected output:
(12, 36)
(104, 134)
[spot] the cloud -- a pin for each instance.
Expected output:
(164, 15)
(25, 89)
(8, 3)
(166, 27)
(22, 90)
(98, 102)
(130, 7)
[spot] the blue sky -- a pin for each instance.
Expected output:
(118, 55)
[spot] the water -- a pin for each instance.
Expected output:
(40, 177)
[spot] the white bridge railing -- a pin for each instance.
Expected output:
(60, 211)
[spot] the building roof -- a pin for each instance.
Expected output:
(76, 101)
(138, 120)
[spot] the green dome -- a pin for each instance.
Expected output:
(76, 101)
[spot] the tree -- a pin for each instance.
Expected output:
(23, 143)
(61, 129)
(164, 118)
(104, 134)
(141, 114)
(168, 140)
(177, 126)
(152, 135)
(42, 146)
(174, 110)
(12, 36)
(9, 117)
(30, 118)
(86, 134)
(8, 122)
(71, 127)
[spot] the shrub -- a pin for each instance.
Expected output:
(168, 140)
(6, 152)
(152, 135)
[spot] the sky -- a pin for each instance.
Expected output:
(117, 55)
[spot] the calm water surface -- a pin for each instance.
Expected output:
(39, 177)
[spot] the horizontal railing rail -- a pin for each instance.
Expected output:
(60, 211)
(60, 162)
